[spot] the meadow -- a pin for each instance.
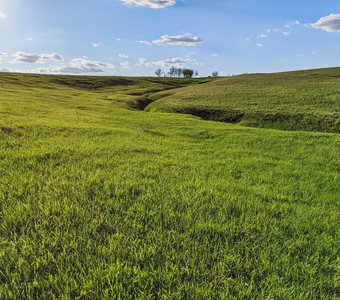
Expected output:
(100, 199)
(300, 100)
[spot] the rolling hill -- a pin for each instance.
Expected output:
(302, 100)
(100, 199)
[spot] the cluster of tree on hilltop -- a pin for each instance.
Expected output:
(178, 72)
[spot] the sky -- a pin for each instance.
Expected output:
(135, 37)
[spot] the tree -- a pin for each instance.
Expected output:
(172, 72)
(159, 72)
(214, 74)
(188, 73)
(179, 72)
(196, 73)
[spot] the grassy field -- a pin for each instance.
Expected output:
(303, 100)
(100, 200)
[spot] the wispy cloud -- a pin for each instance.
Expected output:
(3, 55)
(125, 65)
(155, 4)
(293, 24)
(283, 61)
(144, 43)
(246, 39)
(32, 38)
(122, 55)
(2, 15)
(97, 45)
(329, 23)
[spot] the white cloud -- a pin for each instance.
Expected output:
(214, 55)
(292, 24)
(329, 23)
(122, 55)
(142, 61)
(178, 40)
(286, 33)
(125, 65)
(83, 66)
(2, 16)
(4, 70)
(32, 38)
(259, 45)
(156, 4)
(263, 35)
(144, 43)
(3, 55)
(176, 62)
(21, 57)
(282, 61)
(97, 45)
(246, 39)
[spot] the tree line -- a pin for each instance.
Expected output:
(178, 72)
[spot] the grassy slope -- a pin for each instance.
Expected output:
(99, 201)
(304, 100)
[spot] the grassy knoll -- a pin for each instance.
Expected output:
(100, 201)
(304, 100)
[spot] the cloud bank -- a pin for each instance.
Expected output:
(178, 40)
(82, 66)
(170, 62)
(155, 4)
(329, 23)
(21, 57)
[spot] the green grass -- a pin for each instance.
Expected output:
(303, 100)
(101, 201)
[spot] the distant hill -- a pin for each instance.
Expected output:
(300, 100)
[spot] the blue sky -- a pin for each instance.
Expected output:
(135, 37)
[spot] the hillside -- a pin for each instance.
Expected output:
(101, 200)
(303, 100)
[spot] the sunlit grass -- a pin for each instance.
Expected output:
(101, 201)
(304, 100)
